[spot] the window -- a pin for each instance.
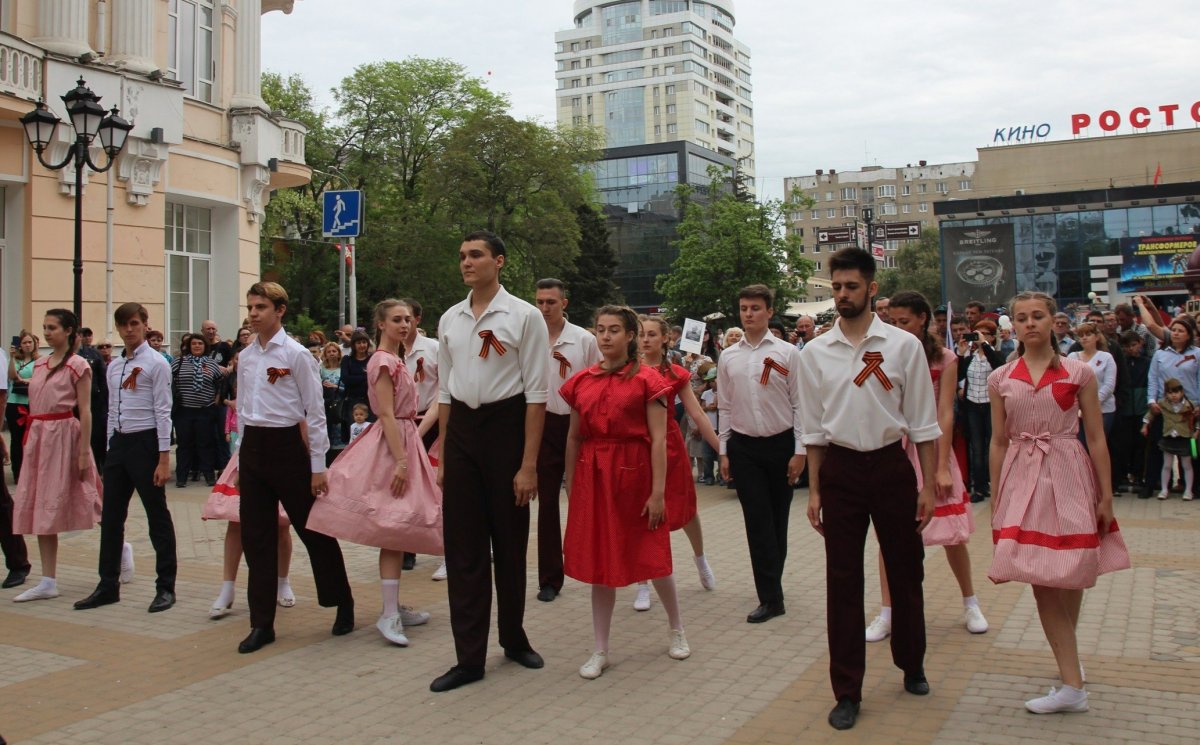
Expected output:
(905, 190)
(818, 266)
(669, 51)
(831, 212)
(672, 129)
(817, 248)
(575, 47)
(577, 120)
(670, 89)
(828, 196)
(849, 192)
(886, 190)
(849, 210)
(575, 82)
(889, 261)
(923, 207)
(816, 214)
(657, 130)
(922, 188)
(188, 235)
(658, 111)
(906, 208)
(887, 208)
(671, 108)
(668, 31)
(964, 185)
(701, 126)
(941, 187)
(669, 70)
(575, 64)
(576, 102)
(190, 58)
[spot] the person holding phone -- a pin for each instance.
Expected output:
(977, 357)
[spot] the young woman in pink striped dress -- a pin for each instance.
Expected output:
(1052, 515)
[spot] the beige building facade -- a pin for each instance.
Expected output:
(187, 194)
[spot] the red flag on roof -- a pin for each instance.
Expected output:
(1158, 174)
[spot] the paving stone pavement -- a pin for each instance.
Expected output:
(120, 675)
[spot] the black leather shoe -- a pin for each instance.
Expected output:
(15, 578)
(163, 599)
(547, 593)
(180, 484)
(410, 561)
(525, 658)
(844, 715)
(765, 612)
(98, 598)
(344, 622)
(257, 639)
(209, 480)
(916, 684)
(455, 677)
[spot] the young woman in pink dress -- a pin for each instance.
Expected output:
(59, 490)
(953, 522)
(383, 491)
(616, 475)
(681, 487)
(1052, 514)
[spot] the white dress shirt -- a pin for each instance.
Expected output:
(517, 360)
(578, 347)
(422, 358)
(748, 406)
(139, 395)
(874, 414)
(295, 395)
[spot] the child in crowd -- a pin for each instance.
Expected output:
(1179, 431)
(360, 421)
(708, 401)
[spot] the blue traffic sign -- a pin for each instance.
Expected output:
(342, 214)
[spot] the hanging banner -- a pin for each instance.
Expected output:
(978, 263)
(1154, 262)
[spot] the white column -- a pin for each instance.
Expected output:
(133, 35)
(247, 74)
(63, 27)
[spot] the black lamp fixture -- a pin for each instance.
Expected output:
(90, 121)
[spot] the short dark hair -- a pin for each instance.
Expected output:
(187, 344)
(85, 331)
(758, 292)
(976, 304)
(1131, 337)
(272, 291)
(126, 311)
(358, 336)
(413, 304)
(776, 323)
(851, 259)
(493, 241)
(957, 319)
(1123, 308)
(550, 283)
(1095, 314)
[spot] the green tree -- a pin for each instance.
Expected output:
(727, 242)
(918, 268)
(590, 281)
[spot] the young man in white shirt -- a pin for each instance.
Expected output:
(16, 556)
(139, 457)
(494, 363)
(279, 386)
(758, 405)
(572, 348)
(866, 386)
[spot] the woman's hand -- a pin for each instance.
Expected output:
(85, 465)
(399, 478)
(655, 506)
(1104, 516)
(945, 484)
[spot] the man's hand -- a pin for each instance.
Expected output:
(814, 511)
(725, 467)
(525, 485)
(162, 472)
(320, 484)
(795, 468)
(925, 505)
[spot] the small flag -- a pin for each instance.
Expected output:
(1158, 174)
(949, 318)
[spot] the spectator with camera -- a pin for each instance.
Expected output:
(977, 357)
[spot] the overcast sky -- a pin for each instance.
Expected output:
(836, 84)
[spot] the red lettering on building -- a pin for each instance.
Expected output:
(1140, 117)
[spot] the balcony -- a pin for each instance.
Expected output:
(20, 69)
(293, 141)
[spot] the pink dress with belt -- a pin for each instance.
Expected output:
(225, 500)
(359, 506)
(50, 497)
(953, 522)
(1044, 521)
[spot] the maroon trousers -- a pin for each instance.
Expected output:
(482, 450)
(552, 464)
(274, 469)
(858, 488)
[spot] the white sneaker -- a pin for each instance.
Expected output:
(413, 617)
(439, 574)
(218, 610)
(642, 601)
(126, 564)
(37, 592)
(1187, 496)
(595, 665)
(679, 647)
(707, 579)
(1064, 699)
(879, 629)
(974, 620)
(392, 629)
(1163, 494)
(284, 595)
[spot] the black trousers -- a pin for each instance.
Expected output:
(130, 465)
(16, 558)
(979, 438)
(857, 489)
(274, 469)
(16, 430)
(758, 466)
(552, 464)
(220, 446)
(482, 451)
(197, 441)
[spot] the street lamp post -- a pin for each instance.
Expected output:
(89, 121)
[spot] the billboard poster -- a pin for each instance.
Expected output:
(978, 264)
(1152, 262)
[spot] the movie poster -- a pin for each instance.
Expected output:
(1153, 262)
(979, 264)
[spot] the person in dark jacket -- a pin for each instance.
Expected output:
(354, 380)
(1128, 444)
(977, 357)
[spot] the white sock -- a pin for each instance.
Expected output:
(886, 613)
(701, 561)
(971, 602)
(48, 583)
(283, 585)
(391, 596)
(225, 597)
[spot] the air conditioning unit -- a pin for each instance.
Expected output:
(1019, 192)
